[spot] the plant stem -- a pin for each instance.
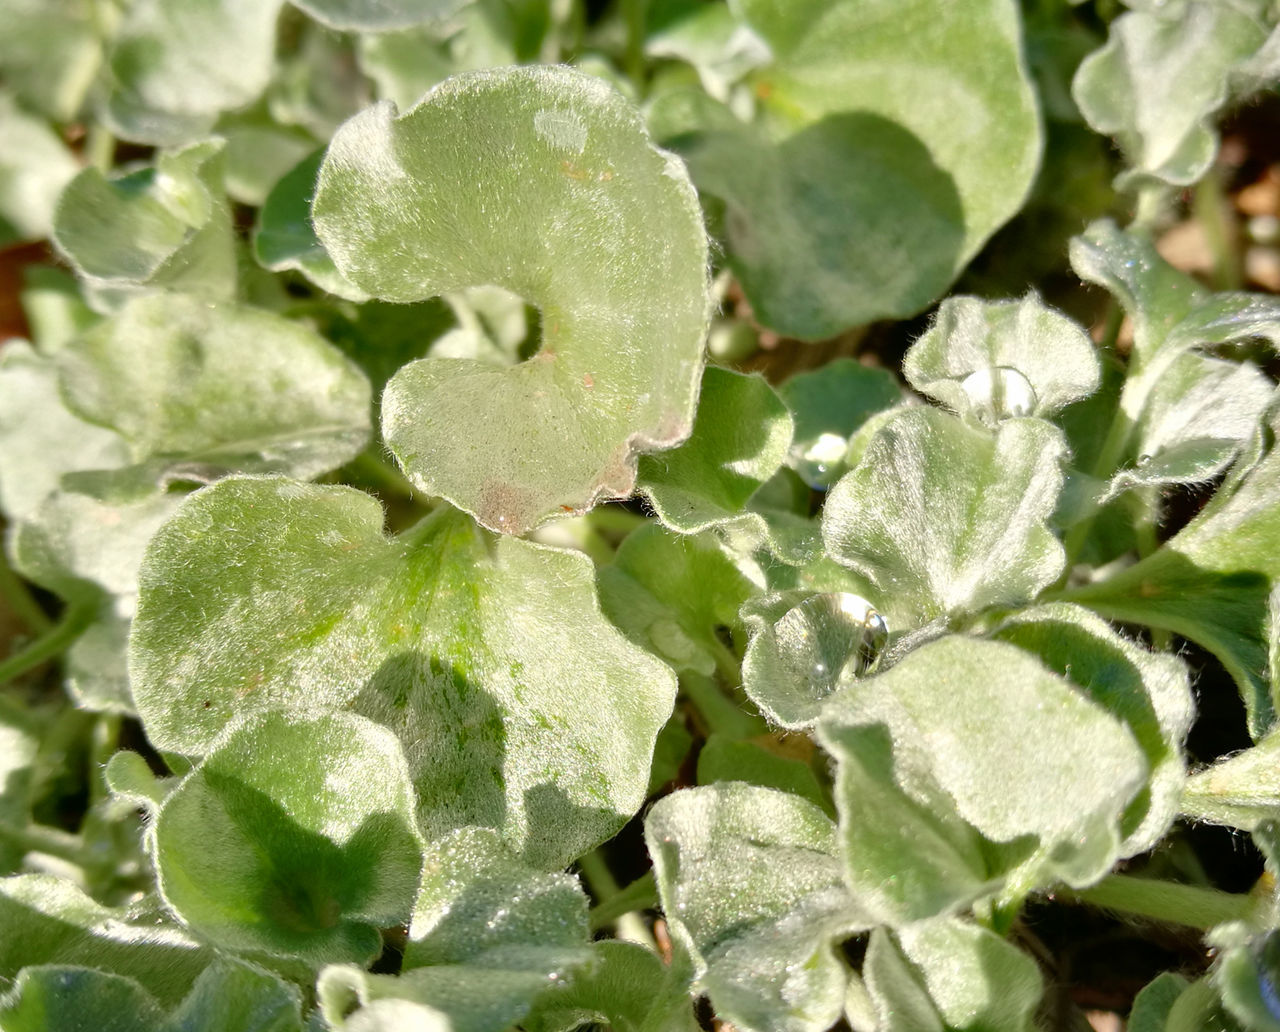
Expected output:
(1190, 905)
(51, 643)
(641, 894)
(719, 712)
(1213, 212)
(604, 887)
(635, 12)
(37, 838)
(384, 477)
(106, 736)
(28, 610)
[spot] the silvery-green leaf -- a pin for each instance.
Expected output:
(260, 151)
(19, 744)
(1149, 691)
(759, 762)
(286, 239)
(34, 167)
(944, 519)
(950, 976)
(232, 996)
(317, 84)
(177, 65)
(751, 886)
(295, 836)
(55, 311)
(50, 53)
(520, 706)
(740, 438)
(58, 998)
(1151, 1007)
(718, 45)
(377, 15)
(994, 359)
(848, 200)
(577, 183)
(1246, 974)
(47, 920)
(1241, 791)
(40, 439)
(166, 225)
(671, 593)
(827, 406)
(1163, 73)
(971, 769)
(406, 64)
(198, 388)
(477, 897)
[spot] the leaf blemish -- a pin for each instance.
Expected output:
(562, 129)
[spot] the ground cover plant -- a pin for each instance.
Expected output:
(652, 515)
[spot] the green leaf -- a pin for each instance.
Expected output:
(476, 650)
(1151, 1007)
(827, 406)
(40, 439)
(477, 897)
(295, 836)
(197, 389)
(624, 986)
(849, 200)
(19, 747)
(970, 769)
(377, 15)
(75, 999)
(406, 64)
(740, 439)
(948, 974)
(231, 996)
(578, 183)
(945, 519)
(176, 66)
(1242, 790)
(286, 239)
(34, 167)
(1245, 976)
(714, 42)
(49, 54)
(46, 919)
(671, 593)
(1149, 691)
(1161, 76)
(994, 359)
(166, 225)
(260, 151)
(752, 888)
(728, 759)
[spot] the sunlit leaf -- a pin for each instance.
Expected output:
(34, 167)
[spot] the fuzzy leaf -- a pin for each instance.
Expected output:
(751, 886)
(377, 15)
(1151, 1007)
(722, 758)
(1242, 790)
(20, 733)
(197, 389)
(475, 650)
(1163, 73)
(176, 66)
(50, 52)
(295, 836)
(969, 769)
(166, 225)
(34, 167)
(943, 518)
(992, 359)
(849, 201)
(230, 996)
(950, 976)
(671, 593)
(1149, 691)
(566, 161)
(740, 438)
(60, 998)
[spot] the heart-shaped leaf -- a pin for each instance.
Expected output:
(574, 183)
(475, 650)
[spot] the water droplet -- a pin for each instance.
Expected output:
(1144, 459)
(999, 392)
(819, 461)
(829, 638)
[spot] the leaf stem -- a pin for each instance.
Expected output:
(641, 894)
(1213, 212)
(73, 624)
(719, 713)
(1191, 905)
(20, 600)
(38, 838)
(604, 887)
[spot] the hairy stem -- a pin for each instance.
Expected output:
(641, 894)
(1191, 905)
(20, 600)
(51, 643)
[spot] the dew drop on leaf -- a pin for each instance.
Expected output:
(830, 637)
(999, 392)
(819, 462)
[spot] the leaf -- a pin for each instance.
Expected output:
(40, 439)
(198, 389)
(991, 359)
(714, 42)
(671, 594)
(49, 54)
(35, 165)
(1241, 791)
(1152, 1005)
(475, 650)
(1159, 79)
(285, 238)
(827, 406)
(722, 758)
(971, 769)
(947, 974)
(260, 151)
(46, 919)
(1149, 691)
(848, 200)
(578, 183)
(59, 998)
(232, 996)
(166, 225)
(944, 519)
(751, 887)
(740, 438)
(20, 733)
(295, 836)
(377, 15)
(176, 66)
